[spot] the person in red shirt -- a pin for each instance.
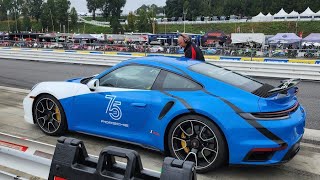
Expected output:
(191, 50)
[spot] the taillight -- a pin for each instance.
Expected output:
(282, 147)
(270, 115)
(59, 178)
(263, 154)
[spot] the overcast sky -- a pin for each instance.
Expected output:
(81, 5)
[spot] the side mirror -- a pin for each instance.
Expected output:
(93, 84)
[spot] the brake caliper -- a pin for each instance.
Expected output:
(58, 115)
(184, 143)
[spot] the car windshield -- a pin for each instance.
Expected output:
(227, 76)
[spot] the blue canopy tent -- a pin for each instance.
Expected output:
(85, 37)
(313, 37)
(285, 38)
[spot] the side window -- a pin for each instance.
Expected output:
(131, 77)
(176, 82)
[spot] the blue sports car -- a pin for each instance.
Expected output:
(189, 109)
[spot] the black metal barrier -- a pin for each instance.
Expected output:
(71, 162)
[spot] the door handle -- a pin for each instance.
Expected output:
(139, 104)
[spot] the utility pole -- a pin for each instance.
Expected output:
(68, 24)
(8, 22)
(15, 15)
(154, 26)
(165, 23)
(184, 20)
(52, 20)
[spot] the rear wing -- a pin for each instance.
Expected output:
(284, 86)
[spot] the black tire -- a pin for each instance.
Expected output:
(195, 145)
(49, 115)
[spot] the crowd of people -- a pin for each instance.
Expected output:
(250, 50)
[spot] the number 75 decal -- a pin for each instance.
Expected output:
(113, 108)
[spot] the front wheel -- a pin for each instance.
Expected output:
(49, 115)
(198, 139)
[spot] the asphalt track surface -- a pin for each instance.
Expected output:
(24, 74)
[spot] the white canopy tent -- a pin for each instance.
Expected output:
(317, 15)
(100, 37)
(269, 17)
(307, 14)
(281, 15)
(247, 38)
(294, 15)
(259, 18)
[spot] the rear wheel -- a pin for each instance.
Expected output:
(49, 115)
(198, 139)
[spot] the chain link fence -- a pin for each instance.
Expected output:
(305, 53)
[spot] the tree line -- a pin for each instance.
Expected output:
(142, 19)
(195, 8)
(51, 15)
(111, 10)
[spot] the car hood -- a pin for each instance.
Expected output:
(83, 80)
(77, 80)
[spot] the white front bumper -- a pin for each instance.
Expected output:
(27, 106)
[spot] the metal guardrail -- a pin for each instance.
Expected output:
(305, 53)
(260, 69)
(95, 23)
(275, 70)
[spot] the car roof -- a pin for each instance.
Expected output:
(165, 61)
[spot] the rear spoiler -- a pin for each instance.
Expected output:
(284, 86)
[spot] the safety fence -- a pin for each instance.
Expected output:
(251, 53)
(264, 67)
(208, 57)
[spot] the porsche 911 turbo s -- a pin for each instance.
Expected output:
(189, 109)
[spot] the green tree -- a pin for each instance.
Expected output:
(194, 9)
(186, 7)
(115, 25)
(35, 9)
(46, 17)
(62, 8)
(156, 9)
(17, 27)
(73, 17)
(105, 9)
(205, 8)
(115, 7)
(143, 7)
(52, 13)
(131, 22)
(237, 7)
(4, 9)
(14, 7)
(174, 8)
(160, 9)
(93, 5)
(26, 19)
(144, 22)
